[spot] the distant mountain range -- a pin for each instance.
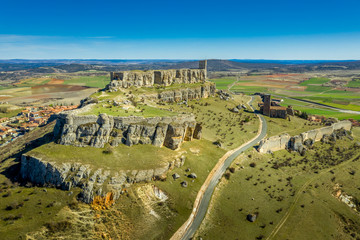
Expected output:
(148, 61)
(18, 68)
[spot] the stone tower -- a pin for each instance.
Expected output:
(203, 65)
(267, 104)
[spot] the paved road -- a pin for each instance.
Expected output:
(214, 181)
(321, 105)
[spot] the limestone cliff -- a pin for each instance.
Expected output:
(297, 143)
(96, 131)
(184, 94)
(92, 182)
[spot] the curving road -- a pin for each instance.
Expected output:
(205, 200)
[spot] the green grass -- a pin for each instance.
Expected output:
(39, 207)
(10, 114)
(89, 81)
(123, 157)
(140, 110)
(314, 81)
(317, 110)
(182, 199)
(322, 215)
(311, 88)
(223, 83)
(221, 124)
(355, 83)
(32, 82)
(328, 113)
(277, 126)
(249, 89)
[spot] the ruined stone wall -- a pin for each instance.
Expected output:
(92, 182)
(295, 143)
(274, 143)
(96, 131)
(126, 79)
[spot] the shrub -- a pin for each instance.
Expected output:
(252, 164)
(108, 149)
(227, 176)
(58, 226)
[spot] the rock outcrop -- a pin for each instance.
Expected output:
(299, 142)
(92, 182)
(184, 94)
(126, 79)
(96, 131)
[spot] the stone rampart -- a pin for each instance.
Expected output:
(274, 143)
(126, 79)
(296, 143)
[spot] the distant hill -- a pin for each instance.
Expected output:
(16, 69)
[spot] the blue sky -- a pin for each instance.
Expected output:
(256, 29)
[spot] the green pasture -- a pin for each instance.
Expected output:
(355, 83)
(140, 110)
(89, 81)
(223, 83)
(317, 81)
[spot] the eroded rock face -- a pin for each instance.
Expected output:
(92, 182)
(96, 131)
(300, 142)
(185, 94)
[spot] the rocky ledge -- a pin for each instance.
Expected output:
(184, 94)
(92, 182)
(96, 131)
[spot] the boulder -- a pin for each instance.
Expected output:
(192, 175)
(251, 217)
(234, 110)
(175, 176)
(184, 184)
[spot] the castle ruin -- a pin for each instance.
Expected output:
(149, 78)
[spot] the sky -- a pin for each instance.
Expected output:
(180, 29)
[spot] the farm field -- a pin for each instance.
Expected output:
(302, 86)
(223, 83)
(53, 89)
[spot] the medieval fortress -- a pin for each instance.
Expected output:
(78, 129)
(126, 79)
(72, 128)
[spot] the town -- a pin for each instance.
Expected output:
(28, 119)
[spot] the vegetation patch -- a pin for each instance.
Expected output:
(302, 186)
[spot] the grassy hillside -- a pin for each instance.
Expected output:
(300, 190)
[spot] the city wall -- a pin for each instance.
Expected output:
(285, 141)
